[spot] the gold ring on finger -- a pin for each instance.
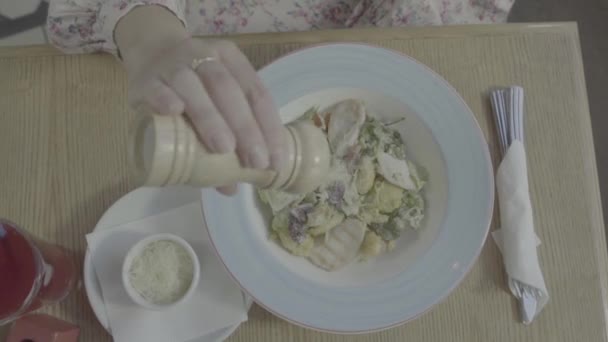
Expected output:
(197, 62)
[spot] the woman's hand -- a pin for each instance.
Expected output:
(210, 80)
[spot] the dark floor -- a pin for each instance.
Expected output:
(592, 18)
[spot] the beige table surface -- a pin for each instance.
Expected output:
(63, 130)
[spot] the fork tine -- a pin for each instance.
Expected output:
(516, 102)
(504, 113)
(508, 95)
(520, 111)
(512, 113)
(499, 119)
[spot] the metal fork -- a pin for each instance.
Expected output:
(508, 109)
(528, 300)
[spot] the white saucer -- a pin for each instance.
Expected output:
(136, 205)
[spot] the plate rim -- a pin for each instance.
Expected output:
(489, 209)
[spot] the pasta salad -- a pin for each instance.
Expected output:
(371, 195)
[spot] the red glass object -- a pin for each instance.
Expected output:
(42, 328)
(32, 272)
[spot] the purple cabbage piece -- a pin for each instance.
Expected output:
(297, 222)
(335, 194)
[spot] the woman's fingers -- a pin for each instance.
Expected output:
(224, 98)
(213, 130)
(157, 97)
(234, 107)
(228, 190)
(259, 99)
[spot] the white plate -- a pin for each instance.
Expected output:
(136, 205)
(441, 134)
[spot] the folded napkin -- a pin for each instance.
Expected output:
(218, 302)
(516, 238)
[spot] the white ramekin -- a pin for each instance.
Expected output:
(136, 249)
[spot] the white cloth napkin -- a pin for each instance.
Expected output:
(217, 304)
(516, 238)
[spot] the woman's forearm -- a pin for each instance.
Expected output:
(145, 30)
(90, 25)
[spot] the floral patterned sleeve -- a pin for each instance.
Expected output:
(77, 26)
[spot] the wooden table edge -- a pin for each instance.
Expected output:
(350, 35)
(592, 182)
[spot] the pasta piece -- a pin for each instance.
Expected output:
(372, 245)
(340, 247)
(302, 249)
(365, 176)
(341, 189)
(280, 221)
(371, 214)
(328, 225)
(418, 177)
(390, 197)
(385, 196)
(322, 218)
(279, 200)
(413, 210)
(352, 200)
(320, 214)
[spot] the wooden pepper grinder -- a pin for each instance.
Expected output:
(165, 150)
